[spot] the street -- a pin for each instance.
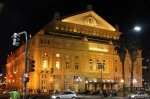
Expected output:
(47, 96)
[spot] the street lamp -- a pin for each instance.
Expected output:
(101, 68)
(134, 82)
(16, 40)
(78, 80)
(123, 86)
(137, 28)
(86, 86)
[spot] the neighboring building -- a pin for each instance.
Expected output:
(67, 54)
(146, 70)
(2, 76)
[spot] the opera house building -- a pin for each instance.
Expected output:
(73, 52)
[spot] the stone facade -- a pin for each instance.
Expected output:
(68, 53)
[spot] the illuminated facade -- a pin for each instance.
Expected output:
(67, 54)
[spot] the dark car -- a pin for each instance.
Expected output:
(84, 92)
(95, 92)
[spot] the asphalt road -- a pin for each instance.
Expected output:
(47, 96)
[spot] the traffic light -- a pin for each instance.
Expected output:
(25, 77)
(31, 65)
(16, 39)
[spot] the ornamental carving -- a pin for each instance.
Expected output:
(98, 48)
(90, 21)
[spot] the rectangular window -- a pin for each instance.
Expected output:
(15, 66)
(129, 69)
(48, 42)
(58, 65)
(90, 64)
(45, 64)
(76, 65)
(44, 41)
(67, 77)
(136, 70)
(76, 57)
(115, 68)
(57, 55)
(67, 65)
(41, 41)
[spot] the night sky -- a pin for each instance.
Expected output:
(32, 15)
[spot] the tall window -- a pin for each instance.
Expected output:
(44, 84)
(76, 66)
(97, 65)
(115, 68)
(15, 66)
(58, 65)
(90, 64)
(129, 69)
(136, 70)
(67, 65)
(45, 63)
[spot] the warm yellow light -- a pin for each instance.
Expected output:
(98, 49)
(57, 65)
(44, 64)
(121, 80)
(57, 27)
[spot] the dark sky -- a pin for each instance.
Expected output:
(32, 15)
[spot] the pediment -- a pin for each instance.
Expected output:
(89, 18)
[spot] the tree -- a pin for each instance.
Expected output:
(133, 46)
(121, 51)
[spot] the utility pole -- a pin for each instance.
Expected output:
(16, 43)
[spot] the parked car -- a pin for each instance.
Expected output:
(64, 95)
(83, 92)
(95, 92)
(138, 95)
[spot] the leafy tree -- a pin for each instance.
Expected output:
(121, 51)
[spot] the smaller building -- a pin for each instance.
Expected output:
(3, 77)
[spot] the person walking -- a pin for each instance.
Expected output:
(14, 94)
(101, 94)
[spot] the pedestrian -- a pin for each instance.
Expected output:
(101, 94)
(14, 94)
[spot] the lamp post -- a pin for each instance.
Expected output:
(101, 68)
(78, 80)
(86, 86)
(134, 82)
(16, 43)
(123, 86)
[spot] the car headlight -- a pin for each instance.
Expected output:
(132, 96)
(53, 96)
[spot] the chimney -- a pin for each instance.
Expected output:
(89, 7)
(56, 15)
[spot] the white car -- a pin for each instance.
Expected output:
(138, 95)
(64, 95)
